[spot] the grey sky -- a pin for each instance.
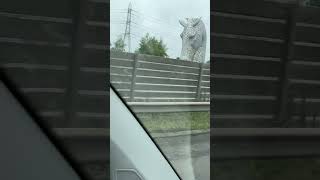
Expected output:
(160, 19)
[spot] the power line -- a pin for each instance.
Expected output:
(121, 9)
(161, 25)
(117, 22)
(124, 12)
(154, 31)
(153, 19)
(135, 29)
(138, 37)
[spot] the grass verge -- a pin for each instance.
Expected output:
(176, 121)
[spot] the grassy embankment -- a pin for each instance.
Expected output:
(177, 121)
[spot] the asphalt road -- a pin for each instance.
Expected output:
(190, 155)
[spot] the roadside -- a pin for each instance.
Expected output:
(184, 137)
(189, 154)
(175, 123)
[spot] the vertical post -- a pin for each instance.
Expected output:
(79, 34)
(134, 74)
(303, 114)
(282, 115)
(314, 120)
(291, 105)
(198, 93)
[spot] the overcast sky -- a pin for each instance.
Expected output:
(158, 18)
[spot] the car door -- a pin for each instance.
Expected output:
(134, 155)
(26, 151)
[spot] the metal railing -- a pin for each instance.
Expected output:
(170, 106)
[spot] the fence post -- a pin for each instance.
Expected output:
(134, 74)
(314, 120)
(303, 113)
(198, 93)
(282, 115)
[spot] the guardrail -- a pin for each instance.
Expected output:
(169, 106)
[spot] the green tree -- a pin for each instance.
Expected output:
(152, 46)
(119, 45)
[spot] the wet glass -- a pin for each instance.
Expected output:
(160, 65)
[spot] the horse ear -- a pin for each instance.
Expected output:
(182, 23)
(196, 22)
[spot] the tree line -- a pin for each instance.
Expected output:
(149, 45)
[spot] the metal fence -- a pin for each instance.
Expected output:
(147, 78)
(266, 67)
(169, 107)
(55, 55)
(259, 143)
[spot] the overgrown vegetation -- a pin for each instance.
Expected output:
(118, 45)
(176, 121)
(152, 46)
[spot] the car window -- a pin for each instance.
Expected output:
(30, 143)
(160, 65)
(134, 153)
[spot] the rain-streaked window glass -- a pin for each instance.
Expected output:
(160, 65)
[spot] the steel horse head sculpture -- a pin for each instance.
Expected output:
(194, 38)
